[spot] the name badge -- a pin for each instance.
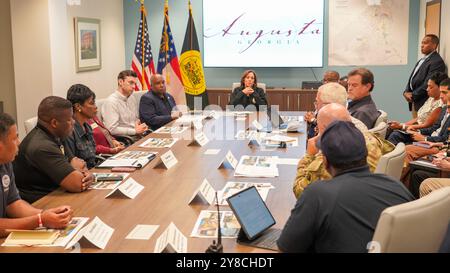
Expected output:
(6, 181)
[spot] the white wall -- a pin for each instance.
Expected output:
(7, 90)
(445, 31)
(44, 54)
(423, 8)
(110, 13)
(32, 56)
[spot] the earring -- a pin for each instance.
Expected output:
(79, 110)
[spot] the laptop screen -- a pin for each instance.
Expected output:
(251, 212)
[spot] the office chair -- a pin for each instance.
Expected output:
(392, 163)
(380, 130)
(30, 124)
(383, 117)
(414, 227)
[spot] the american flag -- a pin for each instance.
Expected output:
(143, 55)
(168, 64)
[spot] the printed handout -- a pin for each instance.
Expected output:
(159, 143)
(206, 225)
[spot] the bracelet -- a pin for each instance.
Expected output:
(40, 220)
(404, 127)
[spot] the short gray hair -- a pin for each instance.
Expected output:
(333, 93)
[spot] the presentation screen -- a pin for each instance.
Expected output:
(263, 33)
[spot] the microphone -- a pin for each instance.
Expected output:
(216, 247)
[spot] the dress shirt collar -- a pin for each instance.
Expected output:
(120, 96)
(428, 56)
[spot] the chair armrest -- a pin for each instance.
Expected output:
(104, 156)
(126, 140)
(98, 160)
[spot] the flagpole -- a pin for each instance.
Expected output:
(144, 17)
(166, 21)
(190, 22)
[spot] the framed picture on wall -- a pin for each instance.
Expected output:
(87, 44)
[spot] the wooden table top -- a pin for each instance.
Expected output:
(167, 192)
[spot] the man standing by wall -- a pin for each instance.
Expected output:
(416, 90)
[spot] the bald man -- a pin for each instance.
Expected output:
(330, 93)
(311, 167)
(157, 108)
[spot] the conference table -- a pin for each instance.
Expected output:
(167, 193)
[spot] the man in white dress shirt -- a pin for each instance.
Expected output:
(120, 111)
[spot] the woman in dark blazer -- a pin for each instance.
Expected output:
(248, 93)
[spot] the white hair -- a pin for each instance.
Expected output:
(333, 93)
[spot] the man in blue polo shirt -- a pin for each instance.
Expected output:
(157, 107)
(14, 212)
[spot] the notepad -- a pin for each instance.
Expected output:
(135, 161)
(31, 237)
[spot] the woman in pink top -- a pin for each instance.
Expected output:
(105, 142)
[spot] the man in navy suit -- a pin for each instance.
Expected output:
(157, 107)
(416, 89)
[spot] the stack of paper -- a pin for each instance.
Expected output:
(250, 134)
(276, 140)
(171, 130)
(134, 159)
(46, 238)
(231, 188)
(188, 120)
(31, 237)
(159, 143)
(257, 166)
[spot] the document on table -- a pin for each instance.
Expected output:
(63, 235)
(275, 140)
(159, 143)
(232, 188)
(171, 130)
(135, 159)
(257, 166)
(206, 225)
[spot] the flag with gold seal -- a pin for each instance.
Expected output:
(191, 67)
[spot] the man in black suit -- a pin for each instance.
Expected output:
(416, 89)
(157, 107)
